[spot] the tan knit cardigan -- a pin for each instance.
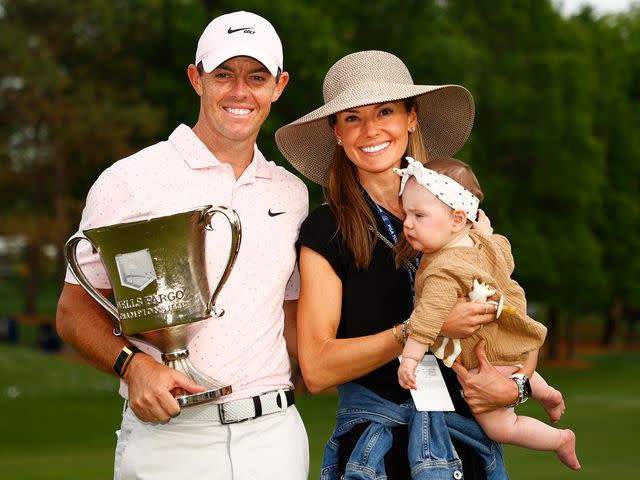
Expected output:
(448, 274)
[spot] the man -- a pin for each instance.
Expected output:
(238, 74)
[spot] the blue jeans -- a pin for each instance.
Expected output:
(431, 454)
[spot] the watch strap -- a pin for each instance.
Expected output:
(124, 358)
(524, 388)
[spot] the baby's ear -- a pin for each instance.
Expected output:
(458, 220)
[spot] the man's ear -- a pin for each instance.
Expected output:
(458, 220)
(195, 79)
(282, 82)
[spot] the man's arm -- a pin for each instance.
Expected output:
(87, 327)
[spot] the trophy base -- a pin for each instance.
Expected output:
(199, 398)
(215, 389)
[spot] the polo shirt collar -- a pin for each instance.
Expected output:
(197, 155)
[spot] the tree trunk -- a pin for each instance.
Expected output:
(570, 333)
(32, 278)
(632, 326)
(552, 333)
(61, 213)
(612, 322)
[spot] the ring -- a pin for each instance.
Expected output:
(462, 393)
(481, 326)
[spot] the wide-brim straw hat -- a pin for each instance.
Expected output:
(445, 112)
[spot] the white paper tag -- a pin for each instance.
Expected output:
(432, 394)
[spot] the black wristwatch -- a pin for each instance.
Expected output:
(124, 358)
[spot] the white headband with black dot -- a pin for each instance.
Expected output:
(444, 188)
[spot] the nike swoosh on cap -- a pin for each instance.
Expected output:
(275, 214)
(234, 30)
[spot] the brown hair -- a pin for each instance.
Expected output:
(452, 168)
(352, 212)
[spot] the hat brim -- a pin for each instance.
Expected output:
(239, 49)
(445, 115)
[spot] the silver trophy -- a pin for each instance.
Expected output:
(157, 269)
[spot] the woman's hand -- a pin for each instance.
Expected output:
(466, 318)
(482, 225)
(487, 389)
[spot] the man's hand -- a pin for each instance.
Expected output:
(151, 385)
(486, 389)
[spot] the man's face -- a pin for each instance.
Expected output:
(236, 97)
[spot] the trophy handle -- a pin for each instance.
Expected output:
(72, 259)
(236, 236)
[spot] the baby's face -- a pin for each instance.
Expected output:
(428, 223)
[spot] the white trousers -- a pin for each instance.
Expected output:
(270, 447)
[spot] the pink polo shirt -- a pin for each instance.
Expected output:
(244, 348)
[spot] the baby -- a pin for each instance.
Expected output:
(440, 203)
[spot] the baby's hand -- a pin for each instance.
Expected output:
(407, 373)
(482, 225)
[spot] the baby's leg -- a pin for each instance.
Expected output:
(550, 398)
(504, 426)
(439, 353)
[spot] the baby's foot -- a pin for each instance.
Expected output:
(553, 403)
(567, 449)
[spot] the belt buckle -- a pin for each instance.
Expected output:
(223, 418)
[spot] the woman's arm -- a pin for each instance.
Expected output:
(326, 361)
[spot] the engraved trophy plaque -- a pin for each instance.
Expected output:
(157, 269)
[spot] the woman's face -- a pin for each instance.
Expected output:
(375, 137)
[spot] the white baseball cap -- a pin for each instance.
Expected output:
(240, 34)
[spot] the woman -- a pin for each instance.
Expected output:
(354, 302)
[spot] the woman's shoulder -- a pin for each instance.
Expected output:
(320, 218)
(319, 232)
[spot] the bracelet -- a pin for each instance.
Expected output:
(524, 388)
(124, 359)
(395, 334)
(407, 329)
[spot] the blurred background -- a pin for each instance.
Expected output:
(555, 146)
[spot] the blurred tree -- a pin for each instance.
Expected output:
(534, 147)
(83, 84)
(72, 101)
(615, 49)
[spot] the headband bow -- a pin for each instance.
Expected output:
(444, 188)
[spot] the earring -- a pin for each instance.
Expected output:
(340, 141)
(412, 129)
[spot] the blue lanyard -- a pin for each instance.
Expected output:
(394, 237)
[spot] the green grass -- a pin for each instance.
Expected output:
(59, 417)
